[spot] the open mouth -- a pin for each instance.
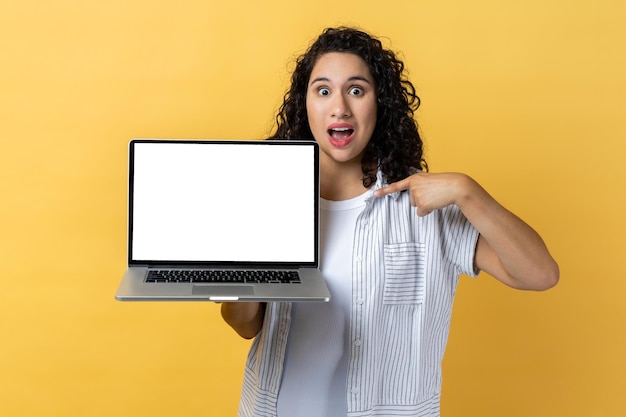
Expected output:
(340, 133)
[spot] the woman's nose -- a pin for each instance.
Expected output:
(340, 107)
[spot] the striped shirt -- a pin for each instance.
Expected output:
(405, 271)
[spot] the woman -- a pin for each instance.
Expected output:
(395, 239)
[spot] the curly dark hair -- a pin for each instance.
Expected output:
(395, 147)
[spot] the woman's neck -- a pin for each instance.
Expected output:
(341, 183)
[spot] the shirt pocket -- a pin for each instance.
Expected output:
(405, 273)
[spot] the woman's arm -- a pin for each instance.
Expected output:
(246, 318)
(507, 248)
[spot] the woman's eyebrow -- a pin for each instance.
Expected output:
(319, 80)
(353, 78)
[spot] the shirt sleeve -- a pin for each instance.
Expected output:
(460, 239)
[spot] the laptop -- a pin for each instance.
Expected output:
(223, 220)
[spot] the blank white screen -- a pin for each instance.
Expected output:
(223, 202)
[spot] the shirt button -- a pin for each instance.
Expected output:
(359, 301)
(357, 342)
(354, 390)
(358, 259)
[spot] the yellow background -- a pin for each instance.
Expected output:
(528, 97)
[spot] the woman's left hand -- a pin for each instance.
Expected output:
(430, 192)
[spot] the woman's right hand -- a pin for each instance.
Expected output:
(246, 318)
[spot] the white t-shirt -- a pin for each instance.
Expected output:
(316, 362)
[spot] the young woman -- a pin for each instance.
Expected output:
(395, 239)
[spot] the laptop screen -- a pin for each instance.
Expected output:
(223, 202)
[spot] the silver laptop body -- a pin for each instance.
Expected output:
(204, 215)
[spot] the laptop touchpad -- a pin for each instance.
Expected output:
(222, 290)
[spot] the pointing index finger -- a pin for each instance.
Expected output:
(392, 188)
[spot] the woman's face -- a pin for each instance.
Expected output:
(341, 106)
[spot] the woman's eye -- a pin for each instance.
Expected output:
(323, 91)
(356, 91)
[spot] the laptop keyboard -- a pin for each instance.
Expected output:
(222, 276)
